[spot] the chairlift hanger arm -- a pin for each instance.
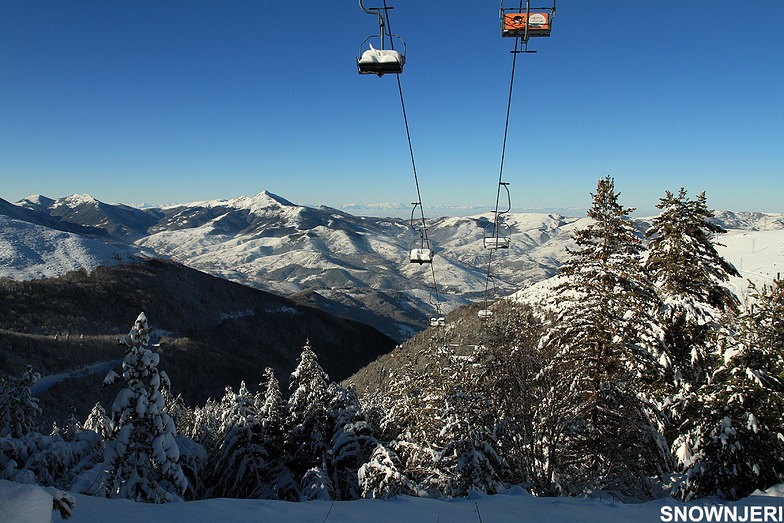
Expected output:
(505, 185)
(376, 11)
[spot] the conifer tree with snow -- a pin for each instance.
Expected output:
(352, 443)
(382, 477)
(18, 408)
(688, 273)
(606, 343)
(141, 459)
(242, 458)
(206, 427)
(470, 447)
(272, 411)
(310, 428)
(736, 444)
(438, 426)
(98, 421)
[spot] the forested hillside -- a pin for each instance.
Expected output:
(212, 333)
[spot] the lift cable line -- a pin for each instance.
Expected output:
(382, 61)
(522, 24)
(495, 242)
(423, 254)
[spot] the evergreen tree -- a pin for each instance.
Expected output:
(381, 476)
(737, 442)
(688, 273)
(206, 427)
(682, 256)
(272, 411)
(309, 425)
(352, 442)
(98, 421)
(604, 340)
(440, 424)
(142, 457)
(470, 456)
(18, 408)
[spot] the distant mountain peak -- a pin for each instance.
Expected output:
(76, 199)
(268, 197)
(36, 200)
(263, 200)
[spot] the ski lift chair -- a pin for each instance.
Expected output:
(421, 255)
(381, 61)
(499, 237)
(420, 249)
(524, 23)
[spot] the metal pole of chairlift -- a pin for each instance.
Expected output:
(377, 13)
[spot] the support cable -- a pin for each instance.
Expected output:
(496, 223)
(423, 230)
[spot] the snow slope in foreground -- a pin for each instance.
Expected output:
(514, 506)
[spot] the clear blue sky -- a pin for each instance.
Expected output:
(175, 101)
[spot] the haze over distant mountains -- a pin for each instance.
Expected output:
(355, 266)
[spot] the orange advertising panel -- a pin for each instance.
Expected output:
(538, 23)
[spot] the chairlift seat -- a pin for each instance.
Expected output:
(497, 242)
(421, 256)
(381, 61)
(539, 24)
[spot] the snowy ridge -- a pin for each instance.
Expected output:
(271, 243)
(30, 251)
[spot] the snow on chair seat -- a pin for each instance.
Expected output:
(381, 61)
(421, 256)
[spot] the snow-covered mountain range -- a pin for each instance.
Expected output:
(350, 265)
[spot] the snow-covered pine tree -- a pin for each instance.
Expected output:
(98, 421)
(604, 339)
(352, 443)
(18, 408)
(206, 427)
(272, 412)
(381, 476)
(470, 456)
(412, 422)
(310, 429)
(737, 439)
(141, 459)
(243, 466)
(688, 273)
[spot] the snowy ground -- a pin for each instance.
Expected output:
(47, 382)
(758, 256)
(20, 503)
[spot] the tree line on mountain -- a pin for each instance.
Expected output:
(641, 376)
